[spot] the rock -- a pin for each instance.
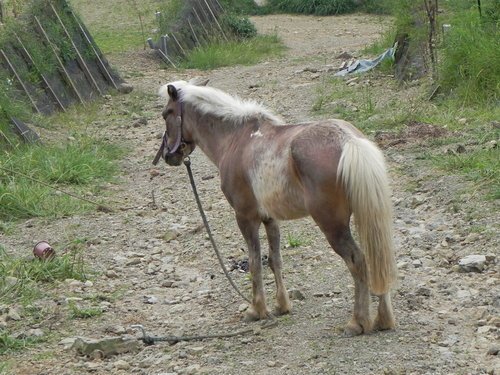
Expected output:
(121, 365)
(111, 274)
(460, 149)
(493, 350)
(125, 88)
(116, 329)
(133, 262)
(11, 281)
(296, 294)
(140, 122)
(151, 300)
(486, 329)
(35, 332)
(109, 346)
(472, 263)
(13, 315)
(243, 307)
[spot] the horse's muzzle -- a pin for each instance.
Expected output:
(174, 159)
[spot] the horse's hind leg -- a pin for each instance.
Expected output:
(250, 230)
(333, 220)
(275, 262)
(385, 317)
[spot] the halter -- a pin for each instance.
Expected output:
(180, 142)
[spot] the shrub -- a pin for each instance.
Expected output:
(240, 26)
(470, 66)
(317, 7)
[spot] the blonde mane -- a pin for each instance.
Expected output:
(209, 100)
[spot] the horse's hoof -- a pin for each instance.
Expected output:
(353, 328)
(278, 311)
(383, 325)
(252, 316)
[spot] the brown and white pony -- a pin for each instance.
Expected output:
(271, 172)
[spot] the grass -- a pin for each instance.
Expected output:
(481, 166)
(470, 68)
(247, 52)
(119, 25)
(9, 344)
(79, 166)
(22, 279)
(76, 312)
(294, 241)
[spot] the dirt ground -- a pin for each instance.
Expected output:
(157, 268)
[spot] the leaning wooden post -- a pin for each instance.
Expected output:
(1, 11)
(13, 70)
(201, 22)
(177, 42)
(79, 58)
(94, 48)
(215, 19)
(194, 33)
(48, 87)
(61, 64)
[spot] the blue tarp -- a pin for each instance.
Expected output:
(361, 66)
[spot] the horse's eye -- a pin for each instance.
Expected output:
(166, 112)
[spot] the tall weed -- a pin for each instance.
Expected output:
(470, 63)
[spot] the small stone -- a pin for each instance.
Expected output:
(133, 262)
(296, 294)
(417, 263)
(13, 315)
(486, 329)
(493, 350)
(125, 88)
(111, 274)
(196, 350)
(472, 263)
(193, 369)
(36, 332)
(243, 307)
(121, 365)
(271, 363)
(11, 281)
(460, 149)
(151, 300)
(462, 121)
(88, 284)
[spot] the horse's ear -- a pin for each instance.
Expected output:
(172, 92)
(198, 81)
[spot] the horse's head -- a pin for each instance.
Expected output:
(177, 141)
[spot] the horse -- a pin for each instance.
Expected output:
(270, 171)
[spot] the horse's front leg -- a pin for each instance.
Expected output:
(283, 305)
(250, 230)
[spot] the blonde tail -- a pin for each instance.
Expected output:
(363, 173)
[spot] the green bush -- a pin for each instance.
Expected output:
(470, 62)
(240, 26)
(317, 7)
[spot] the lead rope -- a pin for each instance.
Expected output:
(187, 163)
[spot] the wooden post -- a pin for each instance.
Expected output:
(177, 42)
(66, 75)
(194, 33)
(201, 22)
(215, 19)
(166, 58)
(48, 87)
(96, 51)
(13, 70)
(2, 15)
(79, 58)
